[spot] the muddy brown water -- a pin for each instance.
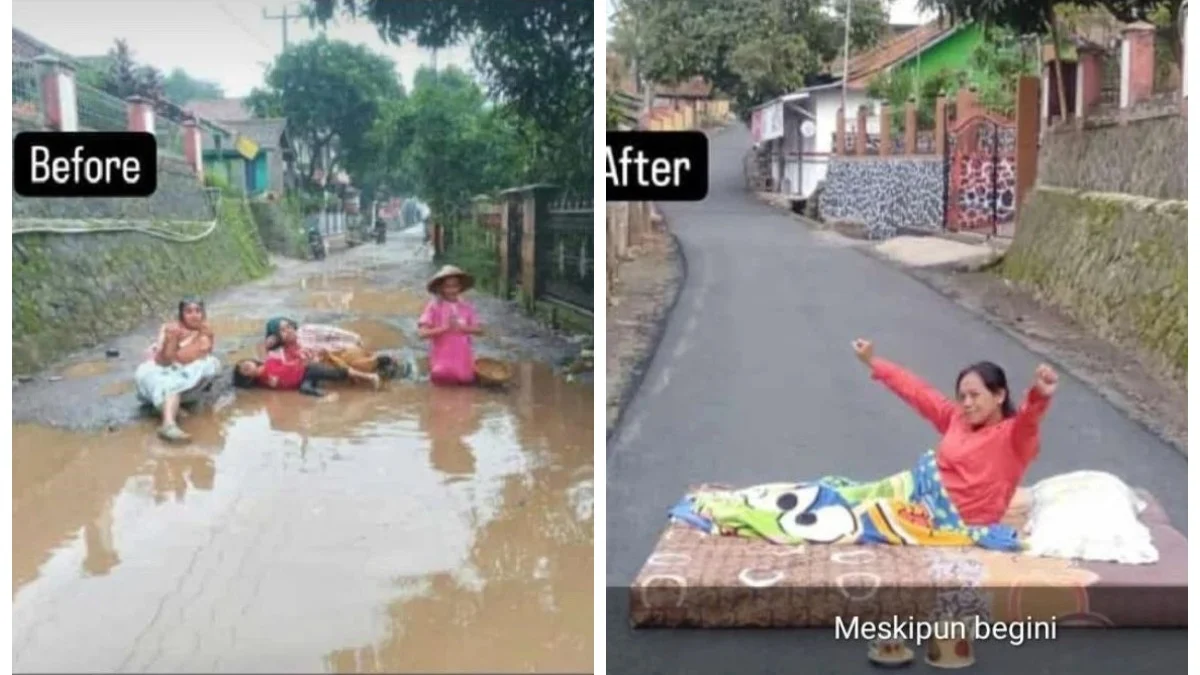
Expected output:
(413, 529)
(356, 294)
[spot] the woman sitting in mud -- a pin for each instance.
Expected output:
(956, 495)
(289, 364)
(179, 367)
(449, 322)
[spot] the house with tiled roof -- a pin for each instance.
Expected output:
(261, 157)
(796, 130)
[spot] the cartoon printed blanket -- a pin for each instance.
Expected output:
(909, 508)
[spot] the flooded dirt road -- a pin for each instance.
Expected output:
(410, 529)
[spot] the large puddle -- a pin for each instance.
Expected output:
(413, 529)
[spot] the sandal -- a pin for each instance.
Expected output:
(173, 434)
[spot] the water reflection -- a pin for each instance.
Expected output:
(410, 529)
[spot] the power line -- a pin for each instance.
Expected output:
(283, 20)
(238, 22)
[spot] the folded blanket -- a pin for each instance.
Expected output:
(910, 508)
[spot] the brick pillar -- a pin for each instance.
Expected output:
(193, 146)
(1028, 131)
(529, 213)
(966, 104)
(1088, 76)
(839, 135)
(56, 79)
(939, 126)
(1137, 63)
(885, 130)
(140, 114)
(910, 126)
(860, 131)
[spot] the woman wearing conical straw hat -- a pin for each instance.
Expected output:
(449, 322)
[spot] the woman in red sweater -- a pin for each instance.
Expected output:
(987, 443)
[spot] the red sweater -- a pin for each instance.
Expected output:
(282, 371)
(981, 468)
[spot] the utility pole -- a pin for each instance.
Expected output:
(283, 20)
(846, 57)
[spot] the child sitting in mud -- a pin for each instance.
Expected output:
(448, 322)
(290, 365)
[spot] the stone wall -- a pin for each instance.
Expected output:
(885, 194)
(1118, 265)
(72, 291)
(1146, 157)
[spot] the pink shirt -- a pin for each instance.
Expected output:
(980, 467)
(451, 355)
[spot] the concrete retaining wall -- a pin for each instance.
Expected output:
(885, 194)
(1117, 265)
(72, 291)
(1146, 158)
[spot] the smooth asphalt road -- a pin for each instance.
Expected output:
(755, 381)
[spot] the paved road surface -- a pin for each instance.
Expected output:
(755, 381)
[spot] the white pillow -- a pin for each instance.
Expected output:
(1088, 515)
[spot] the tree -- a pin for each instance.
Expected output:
(535, 57)
(447, 142)
(118, 74)
(182, 88)
(331, 93)
(751, 50)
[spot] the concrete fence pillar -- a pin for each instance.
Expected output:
(839, 134)
(193, 146)
(910, 126)
(860, 131)
(140, 114)
(885, 130)
(56, 81)
(1137, 63)
(939, 126)
(1027, 134)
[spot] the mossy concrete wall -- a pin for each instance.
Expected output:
(1110, 247)
(1146, 158)
(76, 290)
(281, 228)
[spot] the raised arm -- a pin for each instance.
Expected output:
(1028, 421)
(427, 324)
(918, 394)
(168, 344)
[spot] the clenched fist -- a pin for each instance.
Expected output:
(1045, 379)
(864, 350)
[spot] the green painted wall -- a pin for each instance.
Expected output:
(952, 53)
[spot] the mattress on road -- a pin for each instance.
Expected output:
(696, 580)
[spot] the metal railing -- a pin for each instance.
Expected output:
(27, 99)
(565, 262)
(99, 110)
(169, 136)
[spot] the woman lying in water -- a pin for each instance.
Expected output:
(179, 367)
(301, 358)
(956, 495)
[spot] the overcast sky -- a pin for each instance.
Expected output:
(225, 42)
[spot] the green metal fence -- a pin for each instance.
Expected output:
(170, 137)
(100, 111)
(27, 99)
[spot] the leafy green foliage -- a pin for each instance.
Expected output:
(751, 50)
(331, 93)
(994, 67)
(536, 58)
(448, 143)
(181, 88)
